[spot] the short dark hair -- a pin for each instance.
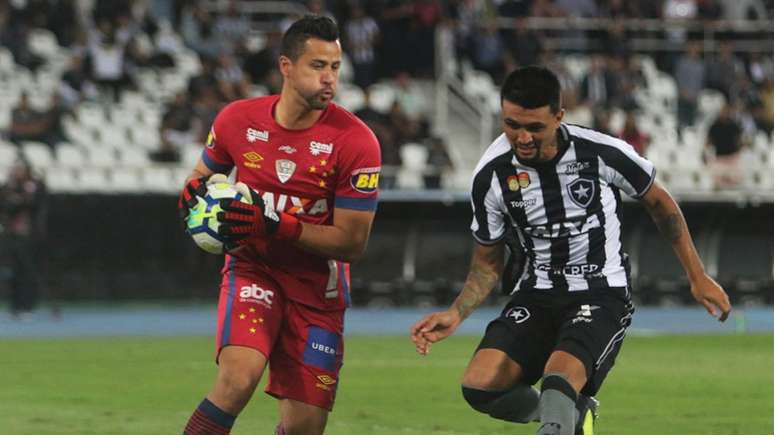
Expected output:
(532, 87)
(310, 26)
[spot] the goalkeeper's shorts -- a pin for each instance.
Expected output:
(304, 345)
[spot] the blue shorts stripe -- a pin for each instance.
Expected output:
(364, 204)
(215, 166)
(344, 284)
(226, 333)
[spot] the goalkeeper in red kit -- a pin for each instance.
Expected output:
(313, 169)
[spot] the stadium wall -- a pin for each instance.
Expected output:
(132, 247)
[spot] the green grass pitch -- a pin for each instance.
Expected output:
(686, 385)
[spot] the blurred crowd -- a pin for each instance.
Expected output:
(385, 40)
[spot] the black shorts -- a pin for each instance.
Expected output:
(589, 325)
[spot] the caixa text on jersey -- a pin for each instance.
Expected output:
(566, 228)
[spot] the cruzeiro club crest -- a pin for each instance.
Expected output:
(285, 169)
(581, 192)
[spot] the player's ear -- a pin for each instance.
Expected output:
(560, 115)
(285, 64)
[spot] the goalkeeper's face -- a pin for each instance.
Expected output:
(314, 76)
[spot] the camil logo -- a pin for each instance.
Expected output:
(256, 293)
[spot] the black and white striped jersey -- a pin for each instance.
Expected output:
(565, 212)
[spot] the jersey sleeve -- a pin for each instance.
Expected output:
(488, 224)
(625, 169)
(215, 155)
(360, 164)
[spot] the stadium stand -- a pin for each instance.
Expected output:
(112, 143)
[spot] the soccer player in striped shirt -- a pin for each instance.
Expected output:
(558, 186)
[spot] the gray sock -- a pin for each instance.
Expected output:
(557, 406)
(519, 404)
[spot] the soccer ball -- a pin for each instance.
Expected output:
(202, 220)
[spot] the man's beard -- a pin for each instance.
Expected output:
(314, 101)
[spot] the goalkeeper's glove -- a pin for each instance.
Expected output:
(195, 187)
(241, 222)
(187, 200)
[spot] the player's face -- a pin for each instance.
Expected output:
(531, 132)
(315, 74)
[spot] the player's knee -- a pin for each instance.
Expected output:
(480, 400)
(238, 383)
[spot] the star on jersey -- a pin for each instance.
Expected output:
(581, 191)
(518, 314)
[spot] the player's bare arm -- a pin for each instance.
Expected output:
(486, 267)
(345, 240)
(200, 170)
(671, 223)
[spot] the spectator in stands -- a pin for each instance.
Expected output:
(258, 65)
(489, 50)
(22, 227)
(379, 123)
(362, 33)
(566, 78)
(74, 85)
(766, 111)
(546, 8)
(410, 97)
(438, 162)
(107, 60)
(632, 134)
(205, 81)
(525, 44)
(759, 68)
(724, 70)
(231, 79)
(427, 14)
(395, 26)
(231, 27)
(27, 124)
(178, 129)
(14, 34)
(599, 87)
(724, 138)
(64, 21)
(689, 76)
(601, 120)
(513, 8)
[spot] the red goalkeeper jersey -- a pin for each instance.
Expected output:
(307, 173)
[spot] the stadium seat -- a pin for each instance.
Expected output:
(38, 154)
(158, 179)
(132, 156)
(102, 156)
(91, 115)
(4, 170)
(125, 180)
(381, 96)
(414, 158)
(61, 180)
(351, 97)
(70, 156)
(43, 42)
(6, 60)
(8, 153)
(94, 180)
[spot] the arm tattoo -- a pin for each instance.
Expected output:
(479, 284)
(671, 226)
